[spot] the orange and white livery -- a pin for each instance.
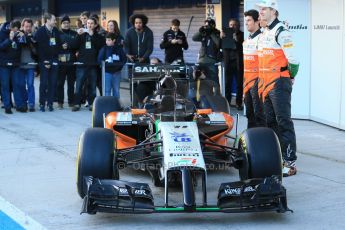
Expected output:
(250, 61)
(275, 52)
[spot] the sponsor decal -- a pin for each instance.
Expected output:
(124, 191)
(326, 27)
(297, 27)
(181, 137)
(268, 52)
(237, 191)
(156, 69)
(249, 58)
(187, 161)
(288, 45)
(184, 154)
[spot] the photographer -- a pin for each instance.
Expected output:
(28, 55)
(10, 50)
(209, 52)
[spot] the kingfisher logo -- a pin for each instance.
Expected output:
(180, 137)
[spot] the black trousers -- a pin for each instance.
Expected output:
(254, 108)
(232, 68)
(69, 73)
(277, 107)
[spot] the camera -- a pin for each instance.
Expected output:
(205, 30)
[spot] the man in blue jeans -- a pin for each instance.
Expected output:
(9, 59)
(115, 58)
(28, 70)
(48, 45)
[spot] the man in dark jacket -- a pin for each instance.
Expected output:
(209, 52)
(10, 50)
(67, 56)
(28, 55)
(139, 40)
(138, 47)
(48, 46)
(174, 41)
(89, 44)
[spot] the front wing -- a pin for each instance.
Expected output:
(115, 196)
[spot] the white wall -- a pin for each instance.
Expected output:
(327, 60)
(296, 16)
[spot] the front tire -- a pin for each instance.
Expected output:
(95, 156)
(261, 152)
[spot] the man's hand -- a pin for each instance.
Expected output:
(179, 41)
(141, 60)
(65, 46)
(174, 41)
(20, 34)
(222, 34)
(80, 31)
(12, 34)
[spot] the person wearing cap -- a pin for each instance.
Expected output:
(278, 67)
(254, 107)
(209, 52)
(67, 56)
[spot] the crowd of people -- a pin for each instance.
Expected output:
(28, 49)
(264, 64)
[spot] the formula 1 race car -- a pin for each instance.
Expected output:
(176, 142)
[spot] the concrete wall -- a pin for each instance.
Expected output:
(114, 10)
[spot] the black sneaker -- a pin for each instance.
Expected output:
(8, 111)
(75, 108)
(239, 107)
(42, 109)
(289, 168)
(21, 109)
(50, 108)
(32, 109)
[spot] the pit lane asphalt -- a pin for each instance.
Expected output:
(38, 174)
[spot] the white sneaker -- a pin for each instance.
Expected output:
(289, 168)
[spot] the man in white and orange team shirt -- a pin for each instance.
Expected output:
(278, 67)
(254, 106)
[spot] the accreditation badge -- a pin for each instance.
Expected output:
(88, 45)
(52, 42)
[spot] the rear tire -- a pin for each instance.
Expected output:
(262, 155)
(95, 156)
(103, 105)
